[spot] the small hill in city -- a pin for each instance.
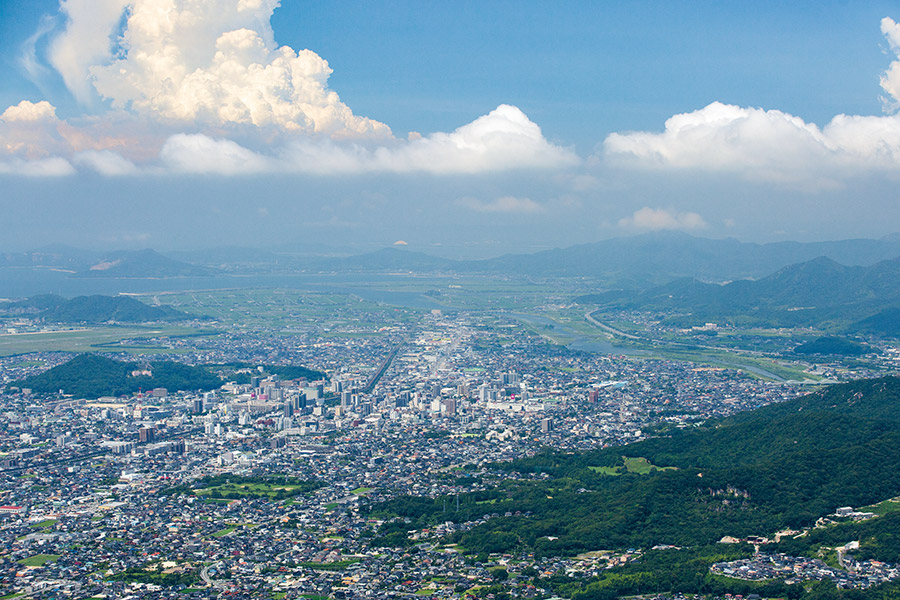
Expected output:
(93, 375)
(831, 345)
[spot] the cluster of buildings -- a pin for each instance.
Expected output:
(791, 569)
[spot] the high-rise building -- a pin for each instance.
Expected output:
(146, 435)
(450, 406)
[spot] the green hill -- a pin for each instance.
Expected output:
(92, 376)
(833, 345)
(884, 323)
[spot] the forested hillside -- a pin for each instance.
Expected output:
(755, 473)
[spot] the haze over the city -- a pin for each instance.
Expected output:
(458, 128)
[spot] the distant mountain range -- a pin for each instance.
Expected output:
(90, 309)
(140, 264)
(813, 292)
(660, 257)
(628, 263)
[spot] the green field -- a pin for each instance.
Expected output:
(637, 465)
(39, 560)
(91, 339)
(223, 532)
(44, 524)
(252, 490)
(222, 488)
(338, 565)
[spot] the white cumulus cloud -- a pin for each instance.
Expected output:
(30, 131)
(29, 111)
(771, 145)
(501, 140)
(85, 42)
(766, 145)
(200, 61)
(656, 219)
(200, 86)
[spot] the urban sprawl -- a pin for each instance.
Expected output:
(256, 489)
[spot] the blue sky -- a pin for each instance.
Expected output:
(579, 149)
(585, 69)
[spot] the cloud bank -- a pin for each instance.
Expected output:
(200, 87)
(501, 140)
